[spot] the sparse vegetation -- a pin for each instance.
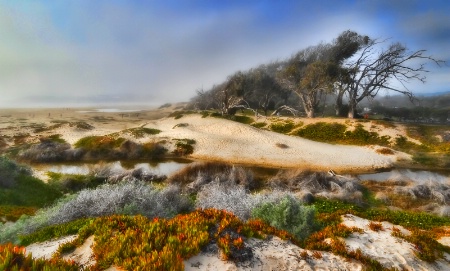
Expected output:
(184, 147)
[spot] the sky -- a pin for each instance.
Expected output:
(84, 52)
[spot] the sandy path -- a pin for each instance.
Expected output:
(224, 140)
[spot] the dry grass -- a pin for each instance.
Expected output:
(375, 226)
(385, 151)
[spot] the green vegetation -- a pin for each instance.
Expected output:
(55, 231)
(180, 114)
(140, 132)
(289, 215)
(18, 188)
(337, 133)
(99, 143)
(70, 183)
(13, 213)
(282, 127)
(28, 191)
(184, 146)
(259, 124)
(323, 132)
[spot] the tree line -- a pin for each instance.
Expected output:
(352, 68)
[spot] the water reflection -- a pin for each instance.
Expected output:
(161, 168)
(419, 176)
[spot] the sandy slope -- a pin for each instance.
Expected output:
(224, 140)
(390, 251)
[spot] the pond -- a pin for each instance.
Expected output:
(163, 167)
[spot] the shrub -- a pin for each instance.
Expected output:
(322, 131)
(289, 215)
(28, 191)
(259, 124)
(140, 132)
(99, 142)
(282, 127)
(48, 150)
(9, 171)
(235, 199)
(184, 147)
(130, 197)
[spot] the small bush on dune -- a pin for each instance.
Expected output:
(282, 127)
(324, 132)
(99, 143)
(289, 215)
(235, 199)
(49, 150)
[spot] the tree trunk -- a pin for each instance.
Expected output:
(352, 109)
(310, 113)
(338, 106)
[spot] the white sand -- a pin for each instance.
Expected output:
(390, 251)
(275, 254)
(48, 248)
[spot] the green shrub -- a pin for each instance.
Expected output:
(140, 132)
(323, 132)
(69, 183)
(184, 146)
(57, 138)
(289, 215)
(28, 191)
(282, 127)
(259, 124)
(9, 171)
(360, 136)
(54, 231)
(336, 133)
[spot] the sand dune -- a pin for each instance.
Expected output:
(224, 140)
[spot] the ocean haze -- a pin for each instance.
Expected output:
(58, 53)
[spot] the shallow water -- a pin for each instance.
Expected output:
(165, 167)
(418, 176)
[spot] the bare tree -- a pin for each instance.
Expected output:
(389, 69)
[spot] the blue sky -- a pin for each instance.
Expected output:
(151, 52)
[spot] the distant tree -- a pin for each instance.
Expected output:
(374, 70)
(231, 96)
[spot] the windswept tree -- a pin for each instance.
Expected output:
(316, 71)
(309, 74)
(232, 95)
(376, 69)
